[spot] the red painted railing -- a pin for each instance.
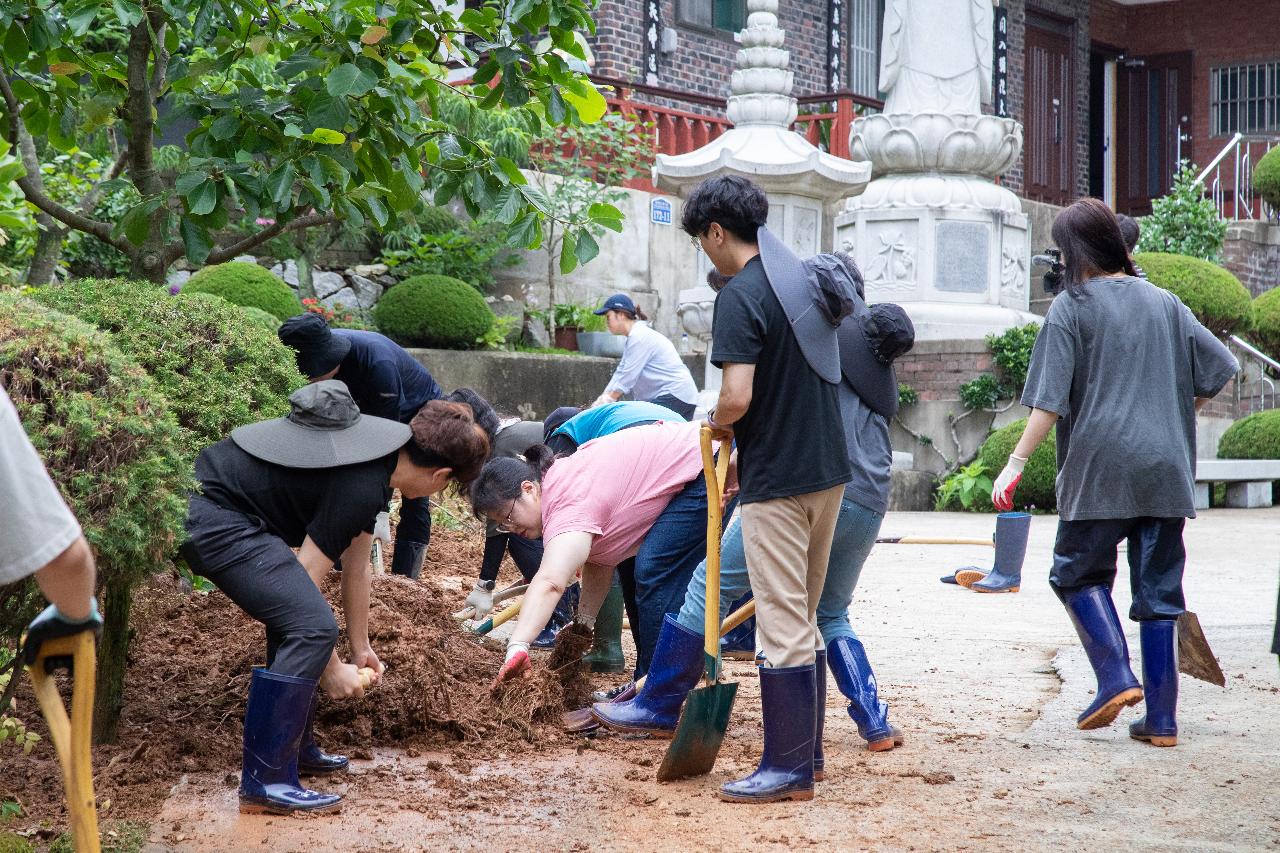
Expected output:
(825, 120)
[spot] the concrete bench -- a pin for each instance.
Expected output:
(1248, 481)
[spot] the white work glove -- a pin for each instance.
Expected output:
(382, 528)
(517, 664)
(1007, 483)
(481, 600)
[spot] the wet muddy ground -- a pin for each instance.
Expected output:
(986, 689)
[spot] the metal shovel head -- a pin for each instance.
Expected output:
(1195, 658)
(703, 722)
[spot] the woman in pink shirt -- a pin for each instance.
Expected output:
(637, 493)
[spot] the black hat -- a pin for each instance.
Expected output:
(557, 419)
(319, 349)
(324, 429)
(870, 340)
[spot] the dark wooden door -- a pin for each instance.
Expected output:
(1153, 127)
(1049, 114)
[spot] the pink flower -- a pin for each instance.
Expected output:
(262, 220)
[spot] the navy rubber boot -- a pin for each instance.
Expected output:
(820, 711)
(273, 724)
(407, 559)
(562, 616)
(1159, 726)
(1094, 616)
(312, 760)
(675, 670)
(1012, 529)
(740, 643)
(786, 768)
(848, 661)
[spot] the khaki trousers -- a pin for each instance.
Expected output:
(788, 543)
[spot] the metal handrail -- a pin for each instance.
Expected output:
(1256, 353)
(1226, 149)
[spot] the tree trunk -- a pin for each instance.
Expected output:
(48, 251)
(148, 261)
(306, 268)
(112, 660)
(551, 282)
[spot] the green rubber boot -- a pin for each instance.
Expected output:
(606, 650)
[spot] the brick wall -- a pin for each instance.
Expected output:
(703, 61)
(937, 369)
(1217, 32)
(1076, 11)
(1252, 253)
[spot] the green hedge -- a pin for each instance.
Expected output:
(218, 368)
(433, 311)
(1266, 321)
(1254, 437)
(256, 315)
(246, 284)
(1039, 475)
(1213, 294)
(1266, 178)
(105, 432)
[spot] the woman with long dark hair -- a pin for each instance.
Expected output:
(1121, 366)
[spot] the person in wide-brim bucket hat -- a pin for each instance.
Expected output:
(315, 481)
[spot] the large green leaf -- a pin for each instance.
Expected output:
(350, 79)
(203, 198)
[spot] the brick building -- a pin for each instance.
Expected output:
(1110, 92)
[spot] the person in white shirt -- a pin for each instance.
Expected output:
(651, 369)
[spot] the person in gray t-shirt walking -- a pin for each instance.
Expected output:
(1121, 366)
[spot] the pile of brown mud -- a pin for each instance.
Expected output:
(188, 680)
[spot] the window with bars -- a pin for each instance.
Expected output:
(866, 22)
(1245, 99)
(726, 15)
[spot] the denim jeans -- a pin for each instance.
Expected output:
(671, 551)
(856, 531)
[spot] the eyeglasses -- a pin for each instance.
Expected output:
(505, 526)
(696, 240)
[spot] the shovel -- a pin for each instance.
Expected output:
(1195, 658)
(71, 736)
(705, 716)
(933, 540)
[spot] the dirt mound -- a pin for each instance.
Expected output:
(189, 673)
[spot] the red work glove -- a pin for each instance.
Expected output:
(517, 665)
(1007, 483)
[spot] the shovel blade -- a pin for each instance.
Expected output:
(703, 722)
(1195, 658)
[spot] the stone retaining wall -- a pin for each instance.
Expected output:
(1252, 253)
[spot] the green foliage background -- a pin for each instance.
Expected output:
(1254, 437)
(434, 311)
(1214, 295)
(1184, 222)
(246, 284)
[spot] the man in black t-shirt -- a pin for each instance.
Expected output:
(779, 402)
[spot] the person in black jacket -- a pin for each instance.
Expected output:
(386, 382)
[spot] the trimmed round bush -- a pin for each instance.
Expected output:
(437, 220)
(1266, 178)
(433, 311)
(256, 315)
(218, 368)
(1266, 321)
(1039, 475)
(1214, 295)
(1254, 437)
(105, 432)
(248, 285)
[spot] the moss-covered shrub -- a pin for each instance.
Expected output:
(1266, 321)
(218, 368)
(437, 220)
(1254, 437)
(433, 311)
(1039, 475)
(246, 284)
(1213, 294)
(106, 434)
(256, 315)
(1266, 178)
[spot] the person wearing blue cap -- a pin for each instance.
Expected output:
(650, 368)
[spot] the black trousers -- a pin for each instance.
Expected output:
(525, 553)
(413, 534)
(1085, 555)
(262, 575)
(680, 407)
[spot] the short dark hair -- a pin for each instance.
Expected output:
(1129, 230)
(739, 205)
(446, 435)
(716, 280)
(483, 413)
(1089, 237)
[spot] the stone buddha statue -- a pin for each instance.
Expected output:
(936, 56)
